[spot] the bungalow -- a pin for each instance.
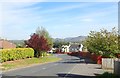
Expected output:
(4, 44)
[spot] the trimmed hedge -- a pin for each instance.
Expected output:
(16, 53)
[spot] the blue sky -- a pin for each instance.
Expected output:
(61, 19)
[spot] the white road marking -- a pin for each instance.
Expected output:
(70, 71)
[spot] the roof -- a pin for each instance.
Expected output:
(74, 46)
(6, 44)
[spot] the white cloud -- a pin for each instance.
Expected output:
(65, 8)
(17, 18)
(94, 16)
(13, 13)
(103, 12)
(15, 5)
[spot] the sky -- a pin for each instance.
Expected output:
(61, 19)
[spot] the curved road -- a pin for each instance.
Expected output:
(60, 69)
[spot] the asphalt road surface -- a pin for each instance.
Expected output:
(60, 69)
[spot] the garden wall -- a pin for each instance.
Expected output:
(107, 63)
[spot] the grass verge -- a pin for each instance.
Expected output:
(28, 62)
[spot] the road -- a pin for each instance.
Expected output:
(60, 69)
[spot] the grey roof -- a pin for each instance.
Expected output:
(74, 46)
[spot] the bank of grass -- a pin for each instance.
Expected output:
(28, 62)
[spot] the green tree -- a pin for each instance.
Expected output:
(43, 32)
(58, 44)
(103, 42)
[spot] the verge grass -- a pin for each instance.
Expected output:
(28, 62)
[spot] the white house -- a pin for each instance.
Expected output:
(81, 47)
(65, 48)
(52, 50)
(73, 47)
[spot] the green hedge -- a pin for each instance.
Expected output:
(16, 53)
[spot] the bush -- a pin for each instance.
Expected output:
(103, 43)
(108, 75)
(16, 53)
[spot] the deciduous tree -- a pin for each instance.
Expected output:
(38, 43)
(103, 42)
(43, 32)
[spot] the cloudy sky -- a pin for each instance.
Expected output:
(61, 19)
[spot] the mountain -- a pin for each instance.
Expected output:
(75, 39)
(72, 39)
(68, 39)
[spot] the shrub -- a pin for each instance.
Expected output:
(108, 75)
(103, 43)
(16, 53)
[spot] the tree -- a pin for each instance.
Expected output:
(38, 43)
(103, 42)
(43, 32)
(58, 44)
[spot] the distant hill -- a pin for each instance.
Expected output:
(75, 39)
(17, 41)
(68, 39)
(72, 39)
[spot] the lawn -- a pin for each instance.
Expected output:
(28, 62)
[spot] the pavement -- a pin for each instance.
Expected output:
(68, 67)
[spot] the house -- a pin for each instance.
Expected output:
(4, 44)
(74, 48)
(52, 50)
(65, 48)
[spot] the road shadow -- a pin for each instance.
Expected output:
(79, 60)
(73, 59)
(66, 75)
(72, 62)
